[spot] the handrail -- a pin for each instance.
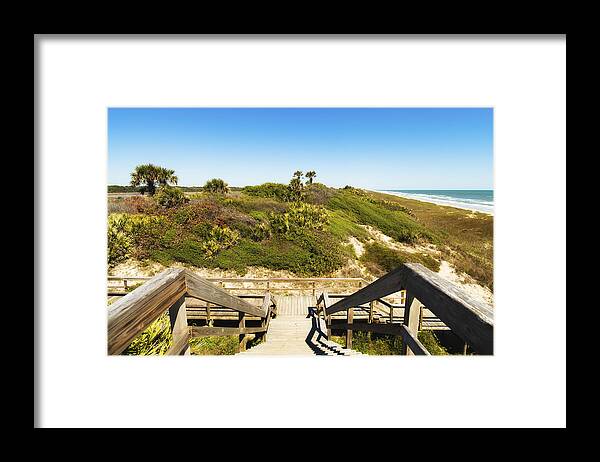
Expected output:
(130, 315)
(135, 311)
(470, 319)
(208, 292)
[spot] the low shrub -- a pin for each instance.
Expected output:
(299, 217)
(277, 191)
(318, 193)
(219, 238)
(361, 209)
(129, 234)
(380, 344)
(260, 232)
(217, 186)
(169, 197)
(380, 259)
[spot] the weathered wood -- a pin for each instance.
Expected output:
(179, 326)
(180, 347)
(413, 342)
(204, 290)
(324, 300)
(388, 329)
(242, 336)
(371, 303)
(383, 286)
(471, 319)
(411, 320)
(349, 317)
(133, 313)
(206, 331)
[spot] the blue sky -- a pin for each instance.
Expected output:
(373, 148)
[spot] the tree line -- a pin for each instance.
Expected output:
(160, 182)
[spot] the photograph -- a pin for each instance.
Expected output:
(316, 231)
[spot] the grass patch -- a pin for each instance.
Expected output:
(217, 345)
(246, 228)
(379, 344)
(380, 259)
(467, 236)
(395, 223)
(155, 340)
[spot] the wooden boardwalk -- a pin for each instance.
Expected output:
(295, 325)
(297, 331)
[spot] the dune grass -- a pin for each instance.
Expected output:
(254, 230)
(380, 344)
(379, 259)
(465, 237)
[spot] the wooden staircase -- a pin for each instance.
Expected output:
(295, 333)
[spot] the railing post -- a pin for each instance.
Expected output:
(371, 303)
(314, 290)
(349, 319)
(242, 337)
(412, 311)
(179, 326)
(209, 321)
(125, 284)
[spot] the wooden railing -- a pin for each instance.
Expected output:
(470, 319)
(272, 285)
(135, 311)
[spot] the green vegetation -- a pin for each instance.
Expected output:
(114, 188)
(221, 345)
(150, 176)
(394, 223)
(303, 228)
(217, 186)
(467, 237)
(277, 191)
(299, 218)
(379, 344)
(380, 259)
(168, 197)
(155, 340)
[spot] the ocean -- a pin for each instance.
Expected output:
(481, 200)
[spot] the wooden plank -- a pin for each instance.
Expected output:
(179, 347)
(471, 319)
(206, 331)
(242, 337)
(383, 286)
(204, 290)
(349, 317)
(325, 302)
(133, 313)
(411, 321)
(179, 325)
(389, 329)
(413, 342)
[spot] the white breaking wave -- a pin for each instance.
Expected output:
(467, 204)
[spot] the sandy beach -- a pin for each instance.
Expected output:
(437, 201)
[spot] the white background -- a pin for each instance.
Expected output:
(523, 384)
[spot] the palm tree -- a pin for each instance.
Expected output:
(216, 185)
(298, 174)
(310, 175)
(166, 176)
(149, 176)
